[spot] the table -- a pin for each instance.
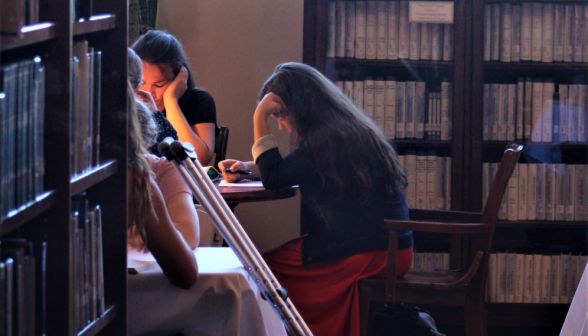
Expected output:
(224, 300)
(247, 195)
(576, 322)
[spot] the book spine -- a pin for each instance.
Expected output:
(513, 195)
(546, 279)
(441, 187)
(426, 41)
(393, 16)
(537, 277)
(414, 41)
(493, 111)
(486, 111)
(516, 33)
(487, 31)
(421, 181)
(379, 102)
(520, 103)
(400, 110)
(505, 32)
(527, 108)
(430, 119)
(550, 192)
(555, 279)
(410, 109)
(510, 277)
(486, 182)
(360, 28)
(358, 93)
(495, 33)
(350, 29)
(348, 89)
(436, 42)
(537, 35)
(564, 278)
(540, 195)
(492, 276)
(579, 191)
(585, 35)
(519, 283)
(446, 109)
(577, 32)
(523, 186)
(568, 40)
(411, 172)
(390, 109)
(448, 183)
(563, 112)
(526, 30)
(537, 106)
(560, 196)
(501, 270)
(371, 30)
(547, 115)
(420, 105)
(431, 181)
(331, 33)
(547, 33)
(368, 97)
(572, 276)
(572, 113)
(448, 42)
(531, 191)
(511, 117)
(569, 182)
(403, 30)
(340, 27)
(502, 111)
(382, 30)
(558, 33)
(581, 108)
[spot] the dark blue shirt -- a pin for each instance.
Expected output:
(338, 227)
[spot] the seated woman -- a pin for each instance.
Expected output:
(164, 128)
(149, 222)
(166, 75)
(350, 180)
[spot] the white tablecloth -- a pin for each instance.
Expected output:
(576, 323)
(224, 301)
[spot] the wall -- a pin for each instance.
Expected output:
(233, 46)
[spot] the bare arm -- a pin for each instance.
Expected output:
(185, 219)
(270, 103)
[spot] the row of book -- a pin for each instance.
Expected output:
(429, 180)
(430, 261)
(22, 287)
(22, 111)
(381, 30)
(542, 191)
(534, 278)
(533, 109)
(403, 110)
(85, 113)
(86, 262)
(538, 32)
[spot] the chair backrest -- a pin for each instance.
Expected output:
(220, 145)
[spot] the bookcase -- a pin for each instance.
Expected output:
(47, 217)
(469, 147)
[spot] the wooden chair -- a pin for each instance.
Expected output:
(220, 145)
(465, 287)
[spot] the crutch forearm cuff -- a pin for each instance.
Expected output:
(262, 145)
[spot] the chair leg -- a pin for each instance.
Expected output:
(364, 309)
(475, 317)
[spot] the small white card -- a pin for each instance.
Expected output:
(430, 11)
(250, 184)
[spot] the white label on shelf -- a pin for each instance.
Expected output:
(430, 11)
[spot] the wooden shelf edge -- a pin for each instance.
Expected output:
(563, 145)
(535, 66)
(20, 216)
(427, 143)
(540, 224)
(90, 178)
(96, 326)
(32, 34)
(96, 23)
(521, 1)
(386, 62)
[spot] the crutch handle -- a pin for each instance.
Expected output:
(180, 151)
(163, 149)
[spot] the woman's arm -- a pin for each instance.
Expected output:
(183, 215)
(201, 136)
(168, 247)
(271, 103)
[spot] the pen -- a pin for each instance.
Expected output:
(242, 172)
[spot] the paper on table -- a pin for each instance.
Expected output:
(250, 184)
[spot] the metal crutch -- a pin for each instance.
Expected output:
(229, 227)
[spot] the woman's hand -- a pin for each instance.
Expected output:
(178, 86)
(233, 165)
(146, 98)
(134, 239)
(270, 103)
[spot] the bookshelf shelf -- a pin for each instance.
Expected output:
(32, 34)
(526, 314)
(540, 224)
(535, 66)
(95, 327)
(542, 1)
(421, 143)
(492, 145)
(389, 63)
(95, 24)
(82, 182)
(28, 212)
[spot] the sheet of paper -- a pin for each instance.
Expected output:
(250, 184)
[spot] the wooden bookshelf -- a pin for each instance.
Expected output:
(90, 178)
(390, 63)
(32, 34)
(535, 66)
(95, 327)
(541, 224)
(21, 216)
(96, 23)
(421, 143)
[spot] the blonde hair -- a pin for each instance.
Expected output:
(140, 177)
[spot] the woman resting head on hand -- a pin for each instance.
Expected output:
(148, 218)
(166, 75)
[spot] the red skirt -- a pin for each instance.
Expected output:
(326, 295)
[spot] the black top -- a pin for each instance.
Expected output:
(337, 227)
(198, 107)
(164, 130)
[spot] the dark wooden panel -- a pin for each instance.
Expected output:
(17, 218)
(31, 34)
(95, 327)
(537, 66)
(96, 175)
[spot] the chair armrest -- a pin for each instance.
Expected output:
(445, 216)
(397, 225)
